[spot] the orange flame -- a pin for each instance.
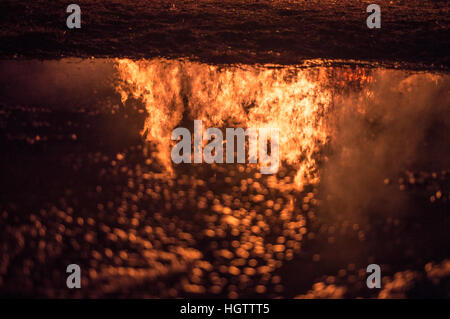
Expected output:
(294, 100)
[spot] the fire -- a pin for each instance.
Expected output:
(294, 100)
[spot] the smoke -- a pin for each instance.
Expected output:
(400, 121)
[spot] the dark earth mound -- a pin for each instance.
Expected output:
(283, 32)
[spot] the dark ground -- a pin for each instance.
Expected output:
(414, 32)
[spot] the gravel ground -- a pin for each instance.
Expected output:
(414, 33)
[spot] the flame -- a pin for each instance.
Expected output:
(294, 100)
